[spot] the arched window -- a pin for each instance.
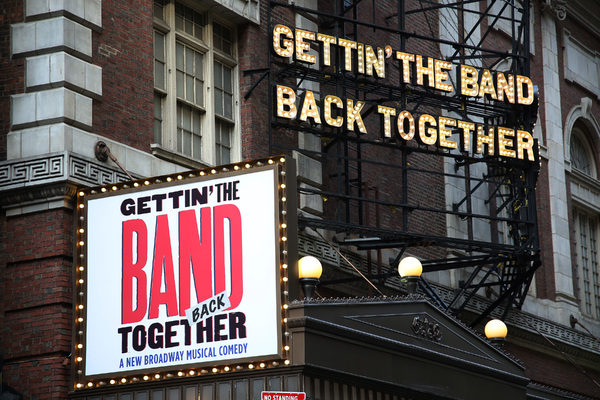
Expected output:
(586, 222)
(582, 158)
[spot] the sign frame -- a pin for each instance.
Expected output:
(279, 266)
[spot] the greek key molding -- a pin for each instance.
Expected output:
(308, 245)
(56, 167)
(24, 173)
(93, 173)
(52, 176)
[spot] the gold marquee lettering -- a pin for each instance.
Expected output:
(426, 129)
(415, 69)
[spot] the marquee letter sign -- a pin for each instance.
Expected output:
(419, 71)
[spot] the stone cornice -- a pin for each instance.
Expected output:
(35, 194)
(50, 181)
(55, 167)
(587, 13)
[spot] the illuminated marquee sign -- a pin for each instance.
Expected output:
(182, 275)
(415, 69)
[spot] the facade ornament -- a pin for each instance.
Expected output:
(50, 180)
(586, 107)
(558, 7)
(425, 328)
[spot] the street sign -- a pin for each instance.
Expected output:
(283, 395)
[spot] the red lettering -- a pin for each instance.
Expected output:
(196, 247)
(133, 269)
(194, 257)
(162, 270)
(231, 213)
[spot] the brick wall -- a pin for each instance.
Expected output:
(552, 369)
(36, 271)
(36, 250)
(35, 267)
(124, 50)
(36, 259)
(572, 94)
(544, 276)
(254, 110)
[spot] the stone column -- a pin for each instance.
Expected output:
(559, 211)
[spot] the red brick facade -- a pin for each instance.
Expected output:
(37, 302)
(37, 248)
(124, 51)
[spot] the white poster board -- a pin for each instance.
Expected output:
(181, 274)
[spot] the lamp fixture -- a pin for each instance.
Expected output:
(309, 272)
(496, 331)
(410, 270)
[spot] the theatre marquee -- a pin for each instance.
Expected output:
(183, 274)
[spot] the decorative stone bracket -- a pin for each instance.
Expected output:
(558, 7)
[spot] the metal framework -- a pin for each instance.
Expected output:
(496, 191)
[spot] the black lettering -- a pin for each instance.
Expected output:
(237, 329)
(175, 196)
(155, 337)
(191, 197)
(139, 338)
(158, 198)
(199, 197)
(227, 191)
(204, 311)
(219, 326)
(204, 329)
(128, 207)
(235, 190)
(124, 337)
(142, 205)
(218, 186)
(187, 332)
(169, 334)
(221, 305)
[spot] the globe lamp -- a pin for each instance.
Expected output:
(410, 270)
(309, 272)
(496, 331)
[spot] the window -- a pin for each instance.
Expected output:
(586, 220)
(586, 226)
(580, 153)
(502, 13)
(195, 86)
(224, 112)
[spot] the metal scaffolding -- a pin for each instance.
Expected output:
(497, 191)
